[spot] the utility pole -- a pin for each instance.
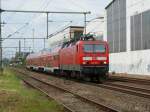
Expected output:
(47, 33)
(29, 49)
(47, 25)
(19, 48)
(33, 39)
(84, 23)
(24, 45)
(1, 54)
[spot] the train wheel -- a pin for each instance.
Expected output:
(62, 73)
(98, 79)
(73, 74)
(103, 77)
(91, 79)
(81, 75)
(78, 75)
(68, 75)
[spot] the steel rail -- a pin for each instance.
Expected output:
(102, 106)
(130, 87)
(32, 85)
(127, 79)
(38, 88)
(126, 89)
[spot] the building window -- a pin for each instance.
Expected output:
(116, 26)
(77, 35)
(140, 31)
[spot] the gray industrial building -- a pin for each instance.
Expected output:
(128, 35)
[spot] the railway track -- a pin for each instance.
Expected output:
(132, 80)
(124, 88)
(137, 91)
(67, 109)
(79, 104)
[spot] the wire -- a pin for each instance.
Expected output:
(17, 31)
(50, 1)
(122, 18)
(10, 35)
(36, 16)
(58, 31)
(12, 23)
(105, 20)
(46, 5)
(15, 12)
(76, 4)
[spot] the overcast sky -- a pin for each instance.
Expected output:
(15, 21)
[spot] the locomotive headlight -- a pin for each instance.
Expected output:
(101, 58)
(105, 62)
(87, 58)
(84, 63)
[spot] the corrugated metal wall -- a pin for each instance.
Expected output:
(116, 26)
(134, 37)
(140, 31)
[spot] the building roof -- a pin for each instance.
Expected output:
(110, 4)
(51, 35)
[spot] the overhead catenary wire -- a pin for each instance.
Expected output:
(12, 23)
(56, 32)
(44, 12)
(46, 5)
(19, 6)
(17, 31)
(124, 17)
(115, 19)
(76, 4)
(21, 27)
(121, 18)
(28, 21)
(23, 4)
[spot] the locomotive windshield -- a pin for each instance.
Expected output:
(99, 48)
(88, 48)
(94, 48)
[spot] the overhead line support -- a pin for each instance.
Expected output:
(23, 11)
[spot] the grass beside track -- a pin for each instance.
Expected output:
(15, 97)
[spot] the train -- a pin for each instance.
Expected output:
(84, 58)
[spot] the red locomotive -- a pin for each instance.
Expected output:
(86, 57)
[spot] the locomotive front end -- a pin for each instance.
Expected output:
(94, 58)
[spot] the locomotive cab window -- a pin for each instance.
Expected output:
(94, 48)
(88, 48)
(99, 48)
